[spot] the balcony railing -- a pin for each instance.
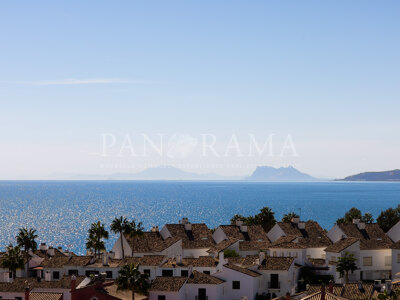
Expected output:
(274, 285)
(201, 298)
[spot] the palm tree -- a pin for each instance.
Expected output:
(121, 225)
(95, 242)
(287, 218)
(346, 264)
(26, 240)
(135, 230)
(130, 278)
(13, 260)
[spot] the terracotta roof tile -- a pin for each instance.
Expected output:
(45, 296)
(341, 245)
(254, 239)
(199, 237)
(201, 278)
(20, 284)
(168, 284)
(202, 261)
(245, 262)
(222, 245)
(372, 237)
(276, 263)
(312, 236)
(242, 270)
(150, 242)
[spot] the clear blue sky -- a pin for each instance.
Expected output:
(325, 72)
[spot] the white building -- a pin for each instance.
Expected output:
(373, 252)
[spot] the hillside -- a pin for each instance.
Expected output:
(266, 173)
(393, 175)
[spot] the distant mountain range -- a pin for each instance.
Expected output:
(263, 173)
(279, 174)
(393, 175)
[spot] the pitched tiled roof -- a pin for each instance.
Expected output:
(352, 291)
(45, 296)
(245, 262)
(150, 242)
(312, 236)
(254, 239)
(20, 284)
(372, 237)
(168, 284)
(242, 270)
(79, 261)
(341, 245)
(146, 260)
(199, 237)
(315, 288)
(222, 245)
(201, 278)
(318, 296)
(288, 242)
(201, 261)
(396, 245)
(276, 263)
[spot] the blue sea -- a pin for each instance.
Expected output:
(62, 211)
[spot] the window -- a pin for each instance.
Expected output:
(388, 260)
(73, 272)
(10, 275)
(109, 274)
(398, 258)
(206, 272)
(161, 297)
(167, 273)
(184, 273)
(235, 285)
(367, 261)
(274, 254)
(56, 275)
(147, 272)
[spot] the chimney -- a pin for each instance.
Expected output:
(356, 221)
(221, 261)
(243, 228)
(184, 221)
(43, 247)
(295, 220)
(287, 296)
(179, 259)
(47, 276)
(73, 283)
(261, 257)
(50, 251)
(27, 292)
(104, 257)
(330, 288)
(323, 291)
(154, 229)
(238, 223)
(301, 225)
(188, 227)
(361, 225)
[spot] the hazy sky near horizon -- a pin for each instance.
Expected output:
(325, 73)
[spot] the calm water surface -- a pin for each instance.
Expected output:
(62, 211)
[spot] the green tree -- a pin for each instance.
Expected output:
(13, 260)
(26, 239)
(287, 218)
(265, 218)
(120, 226)
(230, 253)
(367, 218)
(346, 264)
(388, 218)
(95, 241)
(237, 217)
(131, 279)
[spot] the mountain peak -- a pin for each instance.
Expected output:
(268, 173)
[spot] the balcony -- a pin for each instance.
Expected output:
(201, 297)
(274, 285)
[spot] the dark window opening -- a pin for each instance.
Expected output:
(109, 274)
(207, 272)
(161, 297)
(235, 285)
(73, 272)
(167, 273)
(56, 275)
(184, 273)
